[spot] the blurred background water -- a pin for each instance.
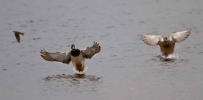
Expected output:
(126, 68)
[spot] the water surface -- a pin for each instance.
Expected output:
(125, 69)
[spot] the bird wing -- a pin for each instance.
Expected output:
(179, 36)
(17, 37)
(19, 32)
(89, 52)
(57, 56)
(151, 40)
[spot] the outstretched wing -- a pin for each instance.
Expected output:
(89, 52)
(151, 40)
(179, 36)
(57, 56)
(17, 35)
(18, 32)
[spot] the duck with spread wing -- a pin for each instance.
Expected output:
(76, 56)
(166, 44)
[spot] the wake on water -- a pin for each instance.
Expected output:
(76, 71)
(173, 56)
(170, 57)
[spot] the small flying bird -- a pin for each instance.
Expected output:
(76, 56)
(166, 44)
(17, 35)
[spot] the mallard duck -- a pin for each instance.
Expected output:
(75, 55)
(166, 44)
(17, 35)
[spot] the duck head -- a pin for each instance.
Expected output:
(165, 38)
(73, 47)
(74, 52)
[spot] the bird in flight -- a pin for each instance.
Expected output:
(76, 56)
(166, 44)
(17, 35)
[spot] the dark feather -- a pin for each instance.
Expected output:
(75, 52)
(89, 52)
(57, 56)
(17, 35)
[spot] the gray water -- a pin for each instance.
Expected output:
(125, 69)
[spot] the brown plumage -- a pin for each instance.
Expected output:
(167, 47)
(17, 35)
(75, 55)
(166, 44)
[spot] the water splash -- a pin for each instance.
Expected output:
(173, 56)
(75, 70)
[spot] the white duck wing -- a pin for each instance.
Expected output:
(89, 52)
(151, 40)
(179, 36)
(57, 56)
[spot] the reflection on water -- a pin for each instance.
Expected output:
(74, 77)
(125, 62)
(169, 58)
(78, 82)
(174, 62)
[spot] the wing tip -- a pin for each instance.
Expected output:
(44, 56)
(96, 44)
(144, 38)
(18, 32)
(188, 31)
(43, 51)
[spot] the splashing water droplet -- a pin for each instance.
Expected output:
(80, 72)
(172, 56)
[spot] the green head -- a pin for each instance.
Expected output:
(73, 47)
